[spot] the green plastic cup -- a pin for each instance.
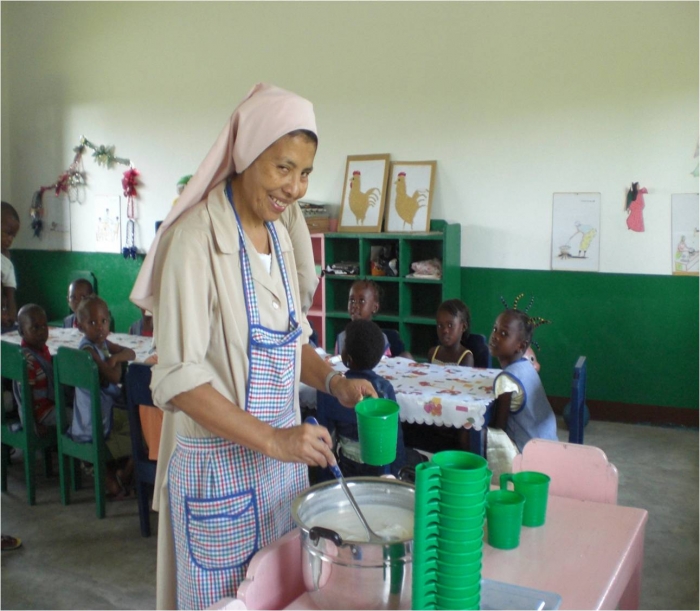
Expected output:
(456, 570)
(457, 492)
(466, 547)
(462, 511)
(466, 585)
(447, 602)
(469, 540)
(534, 487)
(458, 467)
(461, 524)
(504, 517)
(378, 429)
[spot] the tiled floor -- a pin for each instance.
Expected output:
(72, 560)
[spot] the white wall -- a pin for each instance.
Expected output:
(515, 101)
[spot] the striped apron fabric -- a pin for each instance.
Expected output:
(227, 501)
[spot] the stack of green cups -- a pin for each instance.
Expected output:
(448, 534)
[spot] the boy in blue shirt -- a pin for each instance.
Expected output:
(363, 349)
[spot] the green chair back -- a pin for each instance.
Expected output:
(14, 367)
(77, 368)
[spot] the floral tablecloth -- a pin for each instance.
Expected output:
(71, 338)
(432, 394)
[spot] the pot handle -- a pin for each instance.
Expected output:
(407, 473)
(316, 532)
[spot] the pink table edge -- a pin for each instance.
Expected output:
(274, 578)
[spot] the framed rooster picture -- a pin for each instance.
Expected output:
(411, 187)
(364, 193)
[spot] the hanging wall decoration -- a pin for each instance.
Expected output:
(634, 206)
(71, 181)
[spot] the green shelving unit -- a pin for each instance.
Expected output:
(408, 304)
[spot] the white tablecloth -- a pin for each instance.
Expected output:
(71, 337)
(431, 394)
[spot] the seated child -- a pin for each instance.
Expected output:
(94, 321)
(151, 419)
(144, 325)
(532, 357)
(77, 291)
(363, 303)
(363, 349)
(10, 227)
(521, 409)
(34, 331)
(453, 319)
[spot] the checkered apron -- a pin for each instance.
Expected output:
(227, 501)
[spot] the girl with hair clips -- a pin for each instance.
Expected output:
(522, 410)
(221, 281)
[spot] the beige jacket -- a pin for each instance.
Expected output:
(201, 330)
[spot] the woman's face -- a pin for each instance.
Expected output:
(278, 177)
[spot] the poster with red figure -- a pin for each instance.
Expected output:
(635, 207)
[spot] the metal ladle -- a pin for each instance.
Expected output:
(335, 470)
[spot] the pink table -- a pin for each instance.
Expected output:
(591, 554)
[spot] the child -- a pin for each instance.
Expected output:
(94, 320)
(363, 348)
(77, 291)
(34, 331)
(10, 227)
(151, 419)
(522, 409)
(363, 303)
(143, 326)
(532, 357)
(453, 319)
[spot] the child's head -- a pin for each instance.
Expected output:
(532, 357)
(93, 318)
(453, 321)
(33, 328)
(10, 226)
(363, 300)
(511, 336)
(77, 291)
(364, 345)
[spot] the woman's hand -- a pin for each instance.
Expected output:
(307, 443)
(351, 392)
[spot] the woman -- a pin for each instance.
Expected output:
(232, 347)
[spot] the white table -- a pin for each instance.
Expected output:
(58, 337)
(441, 395)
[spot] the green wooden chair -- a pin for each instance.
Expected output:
(14, 367)
(77, 368)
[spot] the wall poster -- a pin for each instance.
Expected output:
(575, 232)
(684, 234)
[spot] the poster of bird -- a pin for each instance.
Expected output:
(411, 186)
(364, 192)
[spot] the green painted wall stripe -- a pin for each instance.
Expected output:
(639, 332)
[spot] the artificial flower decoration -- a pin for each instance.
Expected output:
(129, 182)
(104, 155)
(70, 181)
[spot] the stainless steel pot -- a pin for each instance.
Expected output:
(349, 574)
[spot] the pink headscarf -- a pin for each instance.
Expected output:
(266, 114)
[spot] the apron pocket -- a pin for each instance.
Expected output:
(222, 533)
